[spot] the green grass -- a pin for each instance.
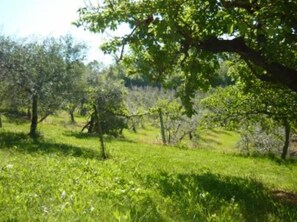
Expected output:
(218, 139)
(61, 177)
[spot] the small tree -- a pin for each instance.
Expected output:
(107, 110)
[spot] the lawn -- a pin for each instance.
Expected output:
(61, 177)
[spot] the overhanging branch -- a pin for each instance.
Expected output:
(276, 72)
(244, 4)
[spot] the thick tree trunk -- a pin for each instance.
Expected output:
(34, 120)
(0, 120)
(287, 140)
(162, 126)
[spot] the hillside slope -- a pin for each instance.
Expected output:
(60, 177)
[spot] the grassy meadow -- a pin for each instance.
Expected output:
(61, 177)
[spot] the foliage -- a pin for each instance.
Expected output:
(136, 106)
(191, 38)
(74, 54)
(262, 108)
(107, 103)
(177, 124)
(41, 72)
(267, 140)
(143, 104)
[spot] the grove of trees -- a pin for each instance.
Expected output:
(190, 41)
(184, 65)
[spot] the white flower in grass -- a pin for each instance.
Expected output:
(9, 166)
(44, 209)
(63, 194)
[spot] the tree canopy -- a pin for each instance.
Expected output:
(44, 72)
(194, 36)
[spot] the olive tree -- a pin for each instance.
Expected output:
(74, 54)
(39, 70)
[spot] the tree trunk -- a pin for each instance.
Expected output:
(133, 126)
(0, 120)
(162, 126)
(287, 139)
(190, 135)
(247, 144)
(72, 116)
(34, 120)
(104, 156)
(91, 124)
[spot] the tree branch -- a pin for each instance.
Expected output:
(244, 4)
(276, 72)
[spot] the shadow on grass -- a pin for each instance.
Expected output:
(269, 156)
(17, 118)
(81, 135)
(207, 143)
(23, 143)
(209, 140)
(199, 195)
(220, 131)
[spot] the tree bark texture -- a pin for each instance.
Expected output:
(34, 120)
